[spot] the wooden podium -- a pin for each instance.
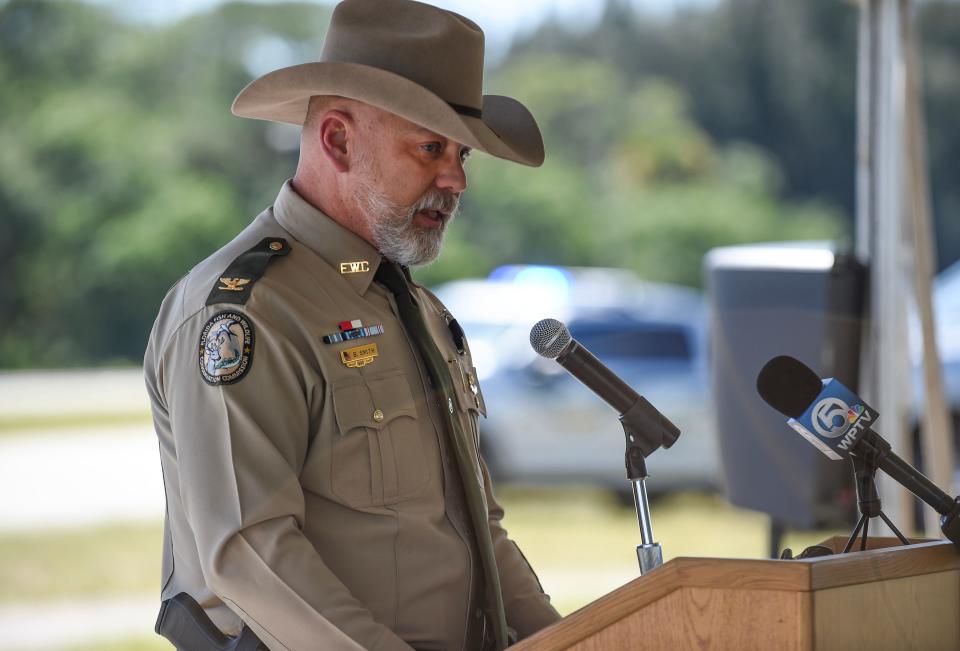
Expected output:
(888, 597)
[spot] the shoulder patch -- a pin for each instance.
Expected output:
(237, 280)
(226, 348)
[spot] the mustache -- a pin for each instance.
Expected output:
(445, 202)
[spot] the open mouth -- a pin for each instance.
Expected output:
(433, 217)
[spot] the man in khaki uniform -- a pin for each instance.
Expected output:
(318, 410)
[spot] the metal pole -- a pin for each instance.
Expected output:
(936, 432)
(881, 225)
(649, 553)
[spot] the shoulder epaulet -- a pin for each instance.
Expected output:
(236, 282)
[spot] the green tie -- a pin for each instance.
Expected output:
(391, 277)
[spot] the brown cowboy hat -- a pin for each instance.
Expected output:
(420, 62)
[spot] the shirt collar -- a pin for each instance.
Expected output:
(349, 254)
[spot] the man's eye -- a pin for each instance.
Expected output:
(465, 154)
(432, 147)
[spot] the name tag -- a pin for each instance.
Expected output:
(359, 355)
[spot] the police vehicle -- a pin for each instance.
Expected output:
(545, 427)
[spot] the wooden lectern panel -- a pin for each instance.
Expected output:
(916, 612)
(888, 597)
(708, 618)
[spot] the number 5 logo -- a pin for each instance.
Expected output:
(830, 417)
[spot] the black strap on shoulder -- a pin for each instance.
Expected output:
(236, 282)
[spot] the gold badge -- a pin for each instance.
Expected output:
(233, 284)
(359, 355)
(354, 267)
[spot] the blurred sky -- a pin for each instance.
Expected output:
(500, 19)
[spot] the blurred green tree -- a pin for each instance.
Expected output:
(781, 74)
(631, 181)
(121, 166)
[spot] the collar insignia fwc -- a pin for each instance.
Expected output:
(359, 266)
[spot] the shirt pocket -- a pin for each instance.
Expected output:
(377, 456)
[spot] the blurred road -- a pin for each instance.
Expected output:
(63, 478)
(80, 393)
(55, 475)
(64, 624)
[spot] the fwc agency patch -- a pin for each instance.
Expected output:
(226, 348)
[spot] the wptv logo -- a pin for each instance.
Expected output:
(835, 420)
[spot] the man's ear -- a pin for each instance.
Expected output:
(336, 130)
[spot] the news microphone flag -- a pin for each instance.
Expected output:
(835, 420)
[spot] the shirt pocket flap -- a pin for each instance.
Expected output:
(372, 401)
(468, 387)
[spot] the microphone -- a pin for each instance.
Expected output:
(650, 429)
(645, 428)
(838, 423)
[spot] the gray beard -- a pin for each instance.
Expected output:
(392, 227)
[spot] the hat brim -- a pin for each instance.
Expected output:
(507, 129)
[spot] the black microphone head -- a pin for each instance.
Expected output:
(788, 385)
(549, 337)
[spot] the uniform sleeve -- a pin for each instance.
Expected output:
(240, 448)
(528, 608)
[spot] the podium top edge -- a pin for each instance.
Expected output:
(885, 561)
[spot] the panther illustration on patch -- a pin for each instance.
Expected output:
(226, 348)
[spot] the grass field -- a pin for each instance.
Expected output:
(112, 561)
(565, 533)
(580, 541)
(153, 643)
(19, 425)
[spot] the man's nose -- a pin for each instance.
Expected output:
(452, 176)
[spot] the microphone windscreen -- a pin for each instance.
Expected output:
(549, 337)
(788, 385)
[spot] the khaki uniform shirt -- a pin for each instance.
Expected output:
(316, 501)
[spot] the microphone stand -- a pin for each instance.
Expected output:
(646, 430)
(649, 553)
(871, 454)
(868, 499)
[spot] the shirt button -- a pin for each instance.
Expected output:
(276, 246)
(450, 404)
(378, 416)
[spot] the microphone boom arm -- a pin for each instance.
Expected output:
(645, 427)
(928, 492)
